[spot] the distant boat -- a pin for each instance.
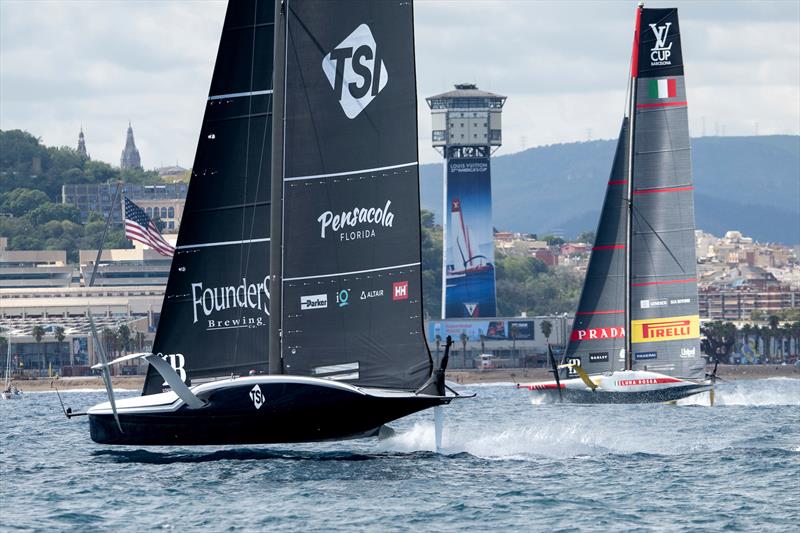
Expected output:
(636, 335)
(10, 391)
(293, 310)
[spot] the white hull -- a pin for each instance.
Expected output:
(624, 386)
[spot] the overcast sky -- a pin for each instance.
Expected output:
(563, 66)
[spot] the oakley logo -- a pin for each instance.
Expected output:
(356, 71)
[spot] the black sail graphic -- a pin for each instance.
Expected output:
(664, 310)
(598, 333)
(351, 293)
(214, 320)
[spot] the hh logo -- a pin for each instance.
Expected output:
(356, 71)
(659, 54)
(400, 290)
(257, 397)
(666, 329)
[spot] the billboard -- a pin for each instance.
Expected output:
(493, 330)
(469, 280)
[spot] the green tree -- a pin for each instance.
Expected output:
(464, 338)
(547, 328)
(124, 333)
(587, 237)
(38, 332)
(431, 265)
(720, 338)
(21, 200)
(59, 334)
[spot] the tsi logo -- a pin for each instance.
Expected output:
(659, 54)
(257, 397)
(356, 71)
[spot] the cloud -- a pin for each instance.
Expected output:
(563, 66)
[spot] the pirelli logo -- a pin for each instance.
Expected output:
(666, 329)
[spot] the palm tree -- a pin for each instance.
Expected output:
(38, 333)
(547, 328)
(139, 340)
(514, 335)
(464, 338)
(774, 322)
(124, 333)
(58, 333)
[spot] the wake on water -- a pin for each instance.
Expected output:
(574, 431)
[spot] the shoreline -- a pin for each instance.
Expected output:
(500, 375)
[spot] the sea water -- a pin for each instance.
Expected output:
(506, 465)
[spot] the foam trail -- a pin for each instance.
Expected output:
(757, 392)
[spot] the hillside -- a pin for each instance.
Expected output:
(751, 184)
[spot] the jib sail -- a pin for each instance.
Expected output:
(351, 280)
(598, 333)
(663, 294)
(214, 319)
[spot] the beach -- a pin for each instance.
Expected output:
(499, 375)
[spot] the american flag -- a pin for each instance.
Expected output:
(139, 227)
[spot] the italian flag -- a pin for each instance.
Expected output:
(663, 88)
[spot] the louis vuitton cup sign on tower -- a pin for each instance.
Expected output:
(636, 332)
(293, 309)
(466, 131)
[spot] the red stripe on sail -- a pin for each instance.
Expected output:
(618, 182)
(672, 88)
(645, 283)
(609, 247)
(660, 104)
(609, 312)
(635, 55)
(668, 189)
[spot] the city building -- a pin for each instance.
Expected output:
(168, 199)
(130, 154)
(82, 144)
(126, 267)
(466, 131)
(743, 292)
(25, 269)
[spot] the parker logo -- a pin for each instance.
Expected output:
(246, 295)
(356, 71)
(594, 334)
(376, 216)
(666, 329)
(400, 290)
(314, 301)
(660, 53)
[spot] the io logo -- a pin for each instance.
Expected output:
(356, 71)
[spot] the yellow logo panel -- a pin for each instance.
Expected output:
(666, 329)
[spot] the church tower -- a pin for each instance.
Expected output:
(130, 155)
(82, 144)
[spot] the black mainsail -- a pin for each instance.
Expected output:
(215, 316)
(351, 305)
(293, 308)
(638, 309)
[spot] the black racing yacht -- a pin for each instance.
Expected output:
(293, 310)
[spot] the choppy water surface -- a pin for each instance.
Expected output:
(508, 465)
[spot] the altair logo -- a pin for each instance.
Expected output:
(356, 71)
(659, 54)
(357, 216)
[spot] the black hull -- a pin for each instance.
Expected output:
(291, 412)
(666, 394)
